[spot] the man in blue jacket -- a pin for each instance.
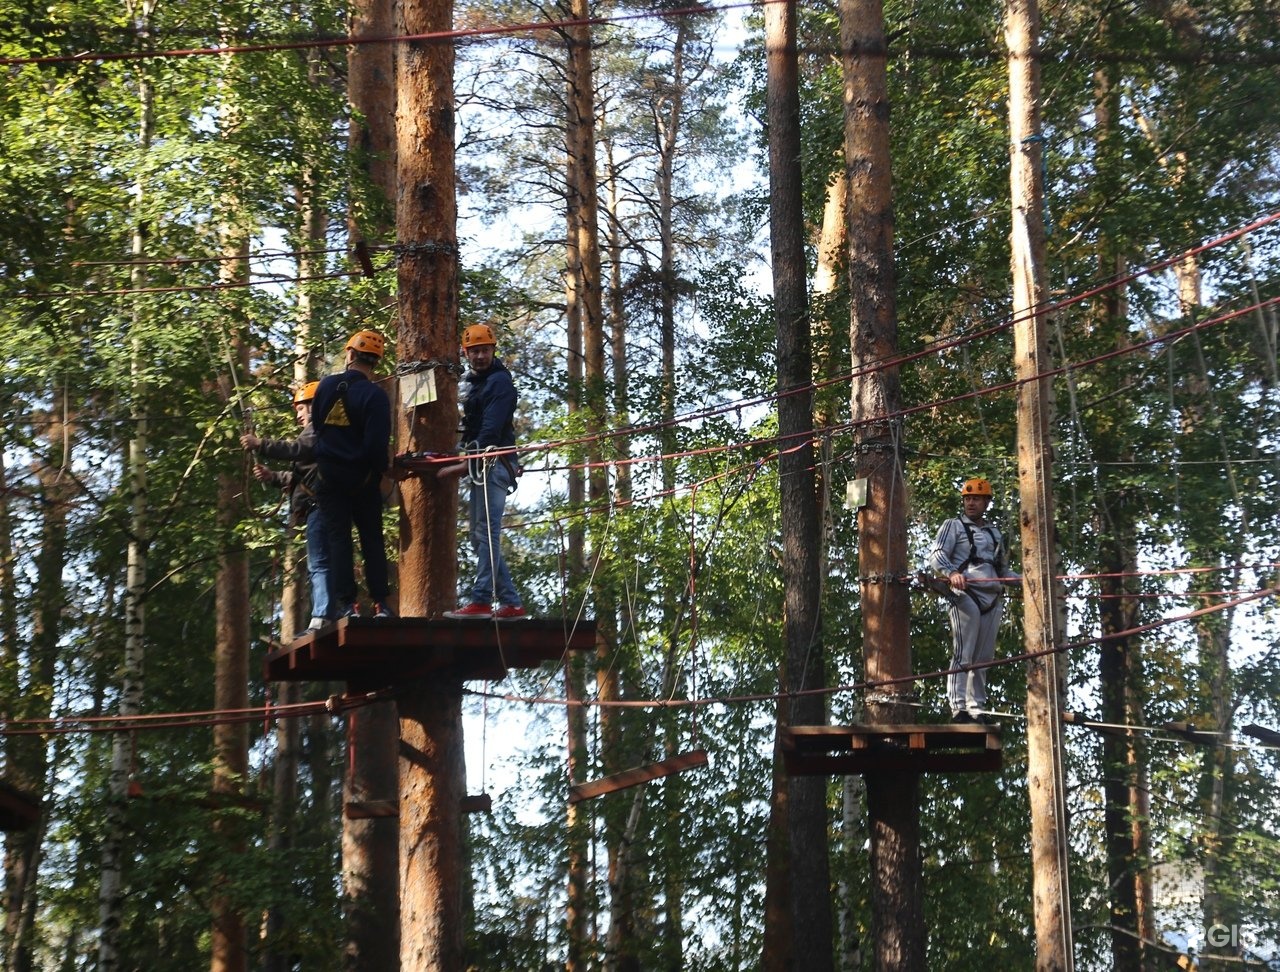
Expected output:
(489, 437)
(352, 418)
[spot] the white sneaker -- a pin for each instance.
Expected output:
(317, 623)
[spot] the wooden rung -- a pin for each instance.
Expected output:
(478, 803)
(370, 809)
(640, 774)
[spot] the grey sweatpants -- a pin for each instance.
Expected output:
(973, 638)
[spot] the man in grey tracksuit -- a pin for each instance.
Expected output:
(974, 558)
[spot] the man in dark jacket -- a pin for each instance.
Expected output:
(300, 483)
(489, 438)
(352, 418)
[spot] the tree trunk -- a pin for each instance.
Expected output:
(111, 888)
(893, 800)
(1125, 811)
(231, 666)
(808, 899)
(583, 189)
(27, 759)
(432, 772)
(578, 823)
(370, 846)
(431, 858)
(1042, 625)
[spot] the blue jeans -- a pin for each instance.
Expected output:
(318, 564)
(488, 502)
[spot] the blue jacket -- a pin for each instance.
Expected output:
(352, 417)
(489, 408)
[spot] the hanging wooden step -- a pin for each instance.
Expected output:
(640, 774)
(477, 803)
(18, 811)
(371, 654)
(844, 750)
(370, 809)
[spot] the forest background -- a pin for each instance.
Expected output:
(181, 248)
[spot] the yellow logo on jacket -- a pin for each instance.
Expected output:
(338, 414)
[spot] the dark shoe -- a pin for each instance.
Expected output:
(352, 611)
(471, 612)
(382, 610)
(987, 718)
(962, 718)
(510, 612)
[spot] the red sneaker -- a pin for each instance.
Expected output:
(471, 612)
(510, 612)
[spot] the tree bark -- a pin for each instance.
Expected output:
(111, 888)
(808, 899)
(1042, 624)
(231, 663)
(26, 762)
(432, 772)
(893, 800)
(371, 846)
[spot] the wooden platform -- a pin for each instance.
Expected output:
(18, 811)
(373, 654)
(842, 750)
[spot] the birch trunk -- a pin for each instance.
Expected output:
(111, 888)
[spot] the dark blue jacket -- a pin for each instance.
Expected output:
(489, 408)
(352, 417)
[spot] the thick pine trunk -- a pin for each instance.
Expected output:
(371, 846)
(893, 800)
(807, 899)
(432, 771)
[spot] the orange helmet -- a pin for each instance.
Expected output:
(976, 487)
(478, 334)
(305, 393)
(366, 342)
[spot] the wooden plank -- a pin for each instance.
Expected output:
(1268, 736)
(906, 736)
(477, 803)
(860, 762)
(370, 809)
(383, 652)
(640, 774)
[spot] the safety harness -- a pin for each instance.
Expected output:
(973, 558)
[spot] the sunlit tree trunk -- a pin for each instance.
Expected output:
(432, 769)
(893, 799)
(1042, 622)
